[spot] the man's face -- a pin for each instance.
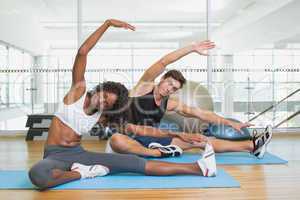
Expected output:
(168, 86)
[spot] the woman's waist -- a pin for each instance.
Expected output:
(54, 150)
(62, 135)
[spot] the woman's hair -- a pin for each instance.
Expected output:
(118, 112)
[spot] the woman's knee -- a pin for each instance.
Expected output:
(39, 176)
(128, 163)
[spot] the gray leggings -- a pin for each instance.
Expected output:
(57, 157)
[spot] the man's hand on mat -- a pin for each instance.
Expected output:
(238, 126)
(203, 46)
(192, 138)
(119, 24)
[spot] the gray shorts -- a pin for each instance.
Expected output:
(115, 162)
(58, 157)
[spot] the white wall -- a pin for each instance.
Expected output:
(266, 22)
(19, 24)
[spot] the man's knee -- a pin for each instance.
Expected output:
(118, 142)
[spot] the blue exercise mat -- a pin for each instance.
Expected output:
(20, 180)
(237, 158)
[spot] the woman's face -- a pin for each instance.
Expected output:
(103, 100)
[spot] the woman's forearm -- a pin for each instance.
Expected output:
(92, 40)
(148, 131)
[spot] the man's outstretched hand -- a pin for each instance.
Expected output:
(238, 126)
(203, 46)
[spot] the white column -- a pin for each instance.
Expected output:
(7, 77)
(228, 80)
(132, 65)
(79, 23)
(208, 31)
(38, 80)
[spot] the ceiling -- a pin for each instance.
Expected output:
(235, 24)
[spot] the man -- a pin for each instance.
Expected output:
(65, 160)
(149, 102)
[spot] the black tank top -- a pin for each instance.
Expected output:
(144, 111)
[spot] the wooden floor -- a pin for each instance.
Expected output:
(257, 182)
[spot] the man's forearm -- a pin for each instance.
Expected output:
(176, 55)
(211, 117)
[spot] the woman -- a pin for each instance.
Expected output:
(78, 112)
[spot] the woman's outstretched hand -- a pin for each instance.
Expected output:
(119, 24)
